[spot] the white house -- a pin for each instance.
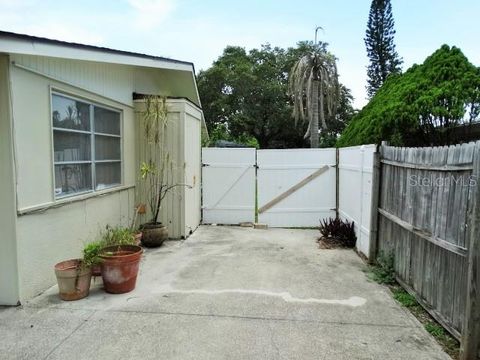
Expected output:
(69, 150)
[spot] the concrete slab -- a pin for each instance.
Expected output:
(230, 292)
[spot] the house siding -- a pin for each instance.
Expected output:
(47, 231)
(9, 292)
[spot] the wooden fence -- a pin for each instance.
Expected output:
(428, 217)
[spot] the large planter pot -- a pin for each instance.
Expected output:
(120, 265)
(73, 279)
(153, 235)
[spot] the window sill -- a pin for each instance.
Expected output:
(70, 200)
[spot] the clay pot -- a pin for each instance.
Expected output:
(120, 265)
(154, 234)
(138, 238)
(73, 279)
(97, 270)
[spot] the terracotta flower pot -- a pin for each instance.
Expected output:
(120, 265)
(73, 279)
(97, 270)
(154, 234)
(138, 238)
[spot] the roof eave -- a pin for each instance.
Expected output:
(29, 45)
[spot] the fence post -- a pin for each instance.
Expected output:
(337, 183)
(372, 252)
(471, 325)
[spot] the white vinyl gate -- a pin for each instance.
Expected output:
(355, 195)
(296, 187)
(228, 185)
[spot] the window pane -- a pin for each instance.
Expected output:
(70, 146)
(70, 114)
(107, 148)
(70, 179)
(106, 121)
(108, 174)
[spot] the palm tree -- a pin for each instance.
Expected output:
(314, 86)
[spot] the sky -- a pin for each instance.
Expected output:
(198, 31)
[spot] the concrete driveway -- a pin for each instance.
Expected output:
(226, 293)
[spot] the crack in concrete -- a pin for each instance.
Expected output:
(354, 301)
(70, 335)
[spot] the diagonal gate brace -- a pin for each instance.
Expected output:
(294, 188)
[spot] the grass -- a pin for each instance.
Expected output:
(404, 298)
(384, 273)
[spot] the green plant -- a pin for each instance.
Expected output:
(404, 298)
(384, 271)
(90, 253)
(117, 236)
(435, 329)
(342, 231)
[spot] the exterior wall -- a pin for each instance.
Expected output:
(193, 168)
(49, 230)
(117, 82)
(33, 135)
(58, 234)
(8, 254)
(181, 207)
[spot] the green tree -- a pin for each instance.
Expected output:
(246, 92)
(245, 96)
(314, 87)
(421, 106)
(337, 122)
(384, 59)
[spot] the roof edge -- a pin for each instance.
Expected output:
(31, 38)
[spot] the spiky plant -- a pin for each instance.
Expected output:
(313, 84)
(338, 230)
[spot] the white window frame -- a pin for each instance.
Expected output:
(91, 103)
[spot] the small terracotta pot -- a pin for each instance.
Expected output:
(120, 265)
(97, 270)
(73, 280)
(138, 238)
(154, 234)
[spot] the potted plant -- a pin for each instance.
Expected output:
(109, 237)
(92, 250)
(120, 264)
(74, 277)
(156, 172)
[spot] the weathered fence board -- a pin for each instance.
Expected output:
(427, 196)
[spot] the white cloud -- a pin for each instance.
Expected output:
(151, 13)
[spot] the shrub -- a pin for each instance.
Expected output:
(384, 271)
(419, 106)
(341, 231)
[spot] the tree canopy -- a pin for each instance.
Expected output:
(379, 41)
(421, 106)
(245, 98)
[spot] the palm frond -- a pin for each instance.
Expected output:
(317, 69)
